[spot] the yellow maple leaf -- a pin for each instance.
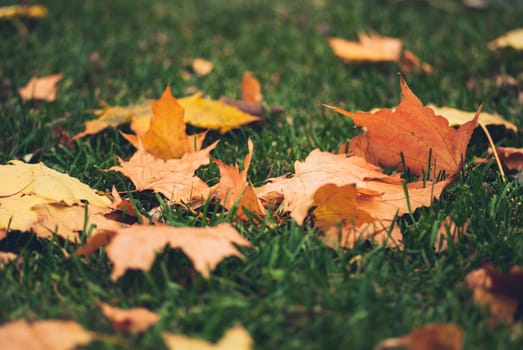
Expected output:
(513, 38)
(458, 117)
(236, 338)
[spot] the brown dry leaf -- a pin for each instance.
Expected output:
(43, 335)
(166, 137)
(135, 247)
(236, 338)
(458, 117)
(448, 227)
(444, 336)
(202, 67)
(251, 89)
(28, 11)
(135, 320)
(174, 178)
(497, 291)
(43, 88)
(234, 190)
(411, 63)
(421, 132)
(205, 113)
(513, 38)
(23, 179)
(6, 257)
(511, 157)
(370, 48)
(318, 169)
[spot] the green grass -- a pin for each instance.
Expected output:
(291, 291)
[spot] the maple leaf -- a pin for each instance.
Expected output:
(251, 89)
(43, 335)
(135, 320)
(370, 48)
(29, 11)
(43, 88)
(6, 257)
(236, 338)
(421, 131)
(513, 38)
(202, 67)
(318, 169)
(205, 113)
(166, 137)
(511, 157)
(458, 117)
(443, 336)
(174, 178)
(135, 247)
(234, 190)
(497, 291)
(139, 114)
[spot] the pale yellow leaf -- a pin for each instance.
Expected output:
(236, 338)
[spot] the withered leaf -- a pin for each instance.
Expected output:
(236, 338)
(441, 336)
(136, 247)
(135, 320)
(43, 88)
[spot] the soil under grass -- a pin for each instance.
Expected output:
(291, 291)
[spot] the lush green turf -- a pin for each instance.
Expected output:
(291, 292)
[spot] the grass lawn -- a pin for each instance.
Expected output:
(291, 291)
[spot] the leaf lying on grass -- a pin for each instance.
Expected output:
(43, 88)
(513, 38)
(135, 247)
(427, 337)
(135, 320)
(458, 117)
(236, 338)
(43, 335)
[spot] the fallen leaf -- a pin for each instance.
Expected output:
(6, 257)
(511, 157)
(251, 89)
(135, 320)
(496, 291)
(458, 117)
(444, 336)
(135, 247)
(139, 114)
(201, 66)
(205, 113)
(513, 38)
(448, 229)
(370, 48)
(29, 11)
(22, 179)
(43, 88)
(166, 137)
(234, 190)
(421, 131)
(174, 178)
(318, 169)
(236, 338)
(43, 335)
(411, 63)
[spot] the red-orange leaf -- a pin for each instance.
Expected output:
(413, 131)
(135, 320)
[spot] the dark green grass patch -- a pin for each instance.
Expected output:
(290, 291)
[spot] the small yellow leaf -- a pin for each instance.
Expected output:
(33, 11)
(458, 117)
(514, 38)
(210, 114)
(43, 88)
(236, 338)
(202, 67)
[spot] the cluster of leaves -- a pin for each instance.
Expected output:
(353, 195)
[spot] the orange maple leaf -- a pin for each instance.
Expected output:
(43, 88)
(234, 190)
(251, 89)
(444, 336)
(166, 137)
(174, 178)
(413, 131)
(135, 247)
